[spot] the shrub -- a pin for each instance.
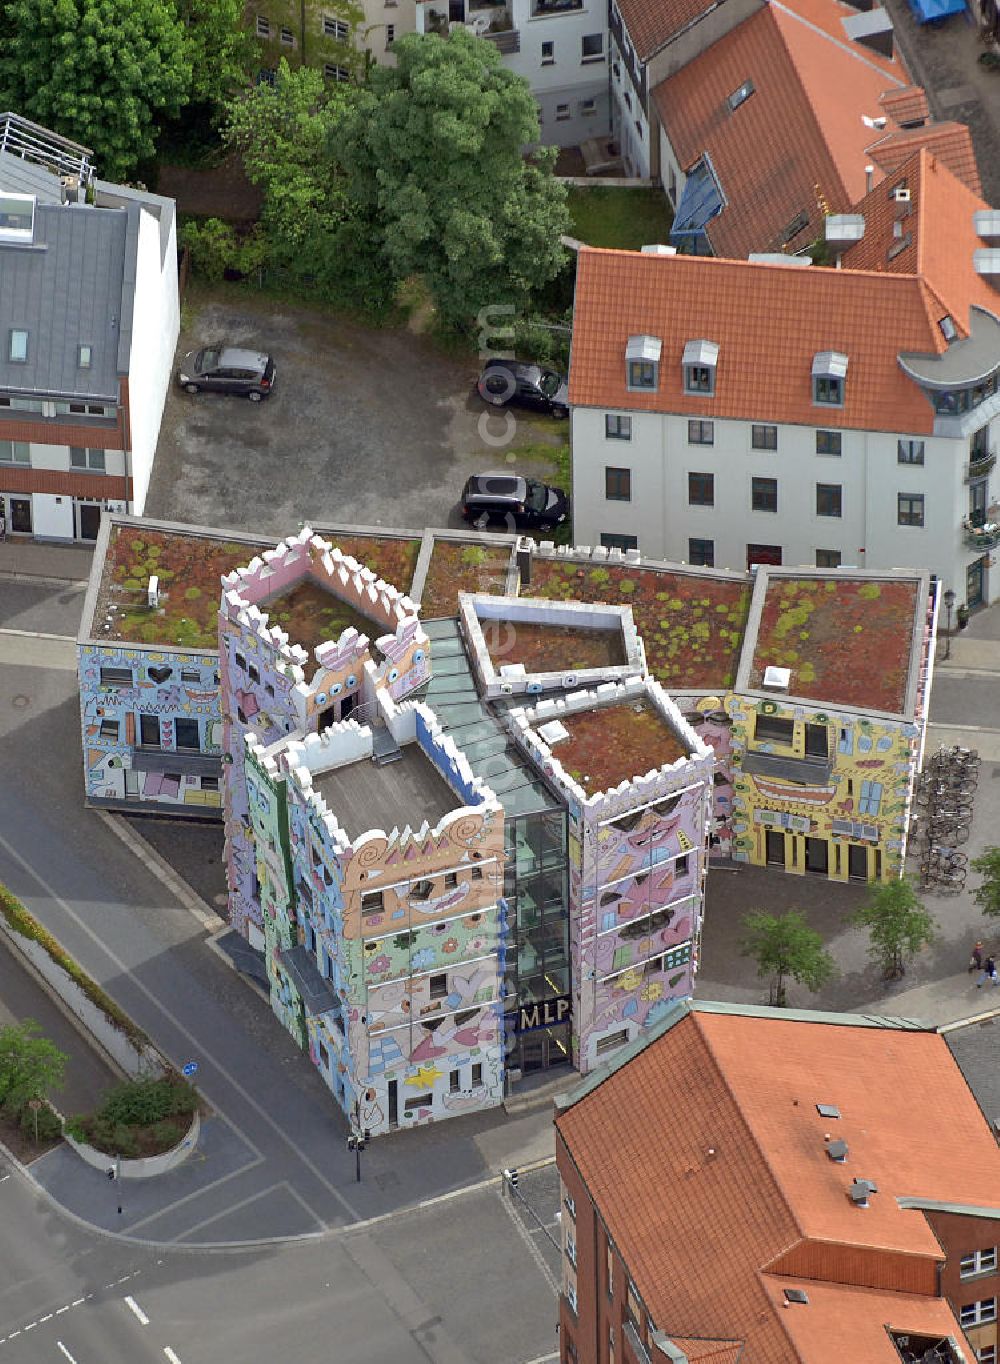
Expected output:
(140, 1103)
(48, 1125)
(168, 1134)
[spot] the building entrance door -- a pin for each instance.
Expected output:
(17, 514)
(545, 1047)
(393, 1103)
(775, 848)
(89, 514)
(975, 583)
(817, 856)
(857, 862)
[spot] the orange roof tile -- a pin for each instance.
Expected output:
(722, 1120)
(797, 144)
(769, 322)
(951, 143)
(651, 23)
(907, 105)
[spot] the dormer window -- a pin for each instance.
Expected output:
(642, 363)
(740, 96)
(700, 361)
(829, 373)
(948, 329)
(18, 353)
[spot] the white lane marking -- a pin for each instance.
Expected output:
(133, 1306)
(77, 1301)
(4, 1178)
(225, 1212)
(170, 1355)
(66, 1352)
(197, 1193)
(48, 1317)
(61, 1310)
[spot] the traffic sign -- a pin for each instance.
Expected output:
(190, 1068)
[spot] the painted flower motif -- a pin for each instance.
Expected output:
(477, 944)
(422, 958)
(379, 965)
(628, 980)
(450, 945)
(653, 991)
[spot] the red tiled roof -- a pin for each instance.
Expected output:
(797, 144)
(906, 106)
(718, 1113)
(950, 142)
(651, 23)
(769, 322)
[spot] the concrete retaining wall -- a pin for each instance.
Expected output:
(145, 1167)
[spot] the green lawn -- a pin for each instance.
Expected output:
(627, 218)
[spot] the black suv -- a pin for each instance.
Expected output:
(505, 500)
(504, 382)
(227, 369)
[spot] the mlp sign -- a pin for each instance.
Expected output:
(545, 1013)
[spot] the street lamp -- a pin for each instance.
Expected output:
(949, 605)
(356, 1143)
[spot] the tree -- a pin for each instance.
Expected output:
(30, 1065)
(987, 896)
(898, 925)
(97, 71)
(784, 945)
(435, 157)
(220, 48)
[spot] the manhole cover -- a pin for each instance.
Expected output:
(20, 701)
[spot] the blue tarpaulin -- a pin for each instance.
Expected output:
(925, 11)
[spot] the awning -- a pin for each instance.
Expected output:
(802, 771)
(316, 992)
(183, 763)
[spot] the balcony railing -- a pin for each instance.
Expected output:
(985, 535)
(980, 465)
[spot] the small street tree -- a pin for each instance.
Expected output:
(784, 946)
(30, 1065)
(898, 925)
(987, 896)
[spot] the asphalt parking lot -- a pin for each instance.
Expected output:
(366, 426)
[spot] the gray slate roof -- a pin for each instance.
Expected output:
(66, 290)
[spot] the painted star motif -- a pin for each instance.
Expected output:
(424, 1076)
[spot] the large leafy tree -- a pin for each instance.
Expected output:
(97, 71)
(898, 925)
(987, 895)
(435, 157)
(30, 1065)
(220, 48)
(785, 947)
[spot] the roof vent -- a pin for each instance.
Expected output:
(554, 732)
(837, 1150)
(796, 1295)
(828, 1110)
(153, 591)
(858, 1194)
(841, 229)
(659, 249)
(777, 679)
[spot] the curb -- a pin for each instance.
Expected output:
(162, 870)
(40, 579)
(986, 1017)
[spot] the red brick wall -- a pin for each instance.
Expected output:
(861, 1266)
(17, 479)
(960, 1235)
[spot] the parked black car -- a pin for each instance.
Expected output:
(514, 382)
(228, 369)
(501, 500)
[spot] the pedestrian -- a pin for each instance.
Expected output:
(976, 961)
(989, 973)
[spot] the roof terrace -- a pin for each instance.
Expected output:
(364, 796)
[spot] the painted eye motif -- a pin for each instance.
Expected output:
(418, 655)
(352, 681)
(321, 698)
(336, 689)
(393, 674)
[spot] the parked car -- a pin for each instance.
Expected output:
(521, 384)
(228, 369)
(501, 499)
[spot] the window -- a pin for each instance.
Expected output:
(571, 1250)
(642, 361)
(701, 433)
(336, 73)
(978, 1262)
(910, 509)
(987, 1354)
(263, 27)
(702, 553)
(829, 499)
(828, 389)
(699, 379)
(569, 1203)
(609, 1263)
(240, 661)
(110, 730)
(287, 38)
(548, 54)
(562, 113)
(450, 880)
(828, 558)
(439, 985)
(617, 428)
(828, 443)
(979, 444)
(149, 731)
(186, 735)
(390, 34)
(764, 437)
(978, 1313)
(210, 783)
(701, 490)
(371, 902)
(592, 47)
(116, 677)
(454, 1081)
(817, 741)
(15, 452)
(612, 1042)
(93, 460)
(18, 346)
(617, 484)
(632, 1308)
(681, 865)
(740, 96)
(764, 494)
(571, 1296)
(773, 729)
(588, 107)
(84, 355)
(477, 873)
(477, 1074)
(611, 540)
(418, 1101)
(335, 28)
(909, 452)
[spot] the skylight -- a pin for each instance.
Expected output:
(740, 96)
(828, 1110)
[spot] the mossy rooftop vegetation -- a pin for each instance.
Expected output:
(691, 625)
(310, 614)
(456, 567)
(847, 642)
(612, 744)
(552, 648)
(392, 558)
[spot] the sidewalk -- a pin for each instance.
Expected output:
(34, 559)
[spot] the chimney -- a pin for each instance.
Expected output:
(659, 249)
(524, 561)
(869, 178)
